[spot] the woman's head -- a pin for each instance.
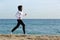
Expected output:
(20, 7)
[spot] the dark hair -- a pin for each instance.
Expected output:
(20, 7)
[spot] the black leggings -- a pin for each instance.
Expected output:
(19, 22)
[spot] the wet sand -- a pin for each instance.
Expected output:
(29, 37)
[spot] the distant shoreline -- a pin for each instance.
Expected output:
(46, 19)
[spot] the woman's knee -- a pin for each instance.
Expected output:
(24, 25)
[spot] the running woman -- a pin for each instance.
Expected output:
(19, 16)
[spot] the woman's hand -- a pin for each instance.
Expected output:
(25, 14)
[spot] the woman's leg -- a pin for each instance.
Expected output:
(16, 27)
(23, 26)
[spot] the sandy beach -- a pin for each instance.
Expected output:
(28, 37)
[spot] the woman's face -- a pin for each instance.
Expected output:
(20, 8)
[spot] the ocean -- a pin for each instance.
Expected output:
(32, 26)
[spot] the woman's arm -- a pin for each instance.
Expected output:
(24, 14)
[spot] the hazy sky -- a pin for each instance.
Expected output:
(40, 9)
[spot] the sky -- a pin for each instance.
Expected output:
(35, 9)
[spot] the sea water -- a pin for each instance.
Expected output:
(32, 26)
